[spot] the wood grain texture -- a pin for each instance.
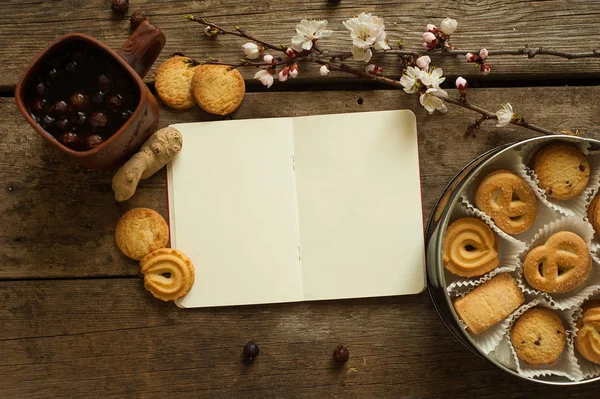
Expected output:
(58, 218)
(27, 26)
(110, 338)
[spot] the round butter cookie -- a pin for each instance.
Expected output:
(594, 213)
(562, 170)
(141, 231)
(218, 89)
(168, 274)
(538, 336)
(173, 82)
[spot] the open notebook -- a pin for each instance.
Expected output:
(293, 209)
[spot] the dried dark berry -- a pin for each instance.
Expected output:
(70, 139)
(136, 19)
(61, 107)
(251, 350)
(98, 98)
(120, 6)
(341, 354)
(38, 105)
(114, 101)
(62, 124)
(79, 101)
(93, 141)
(126, 114)
(47, 121)
(53, 74)
(71, 67)
(98, 120)
(104, 81)
(40, 88)
(78, 118)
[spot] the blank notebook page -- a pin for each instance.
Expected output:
(359, 203)
(233, 211)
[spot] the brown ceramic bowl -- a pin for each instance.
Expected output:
(136, 57)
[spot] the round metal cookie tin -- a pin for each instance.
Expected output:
(436, 228)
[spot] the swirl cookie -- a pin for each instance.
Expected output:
(587, 340)
(141, 231)
(538, 336)
(470, 248)
(508, 200)
(168, 274)
(218, 89)
(562, 170)
(594, 213)
(174, 83)
(489, 303)
(560, 265)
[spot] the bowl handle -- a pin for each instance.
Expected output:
(143, 47)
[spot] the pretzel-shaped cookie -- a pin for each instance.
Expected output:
(168, 274)
(508, 200)
(470, 248)
(560, 265)
(587, 340)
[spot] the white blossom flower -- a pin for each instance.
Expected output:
(448, 26)
(265, 76)
(485, 69)
(283, 74)
(323, 71)
(308, 32)
(293, 71)
(433, 77)
(423, 62)
(483, 53)
(432, 100)
(461, 84)
(268, 59)
(505, 115)
(367, 32)
(252, 50)
(410, 80)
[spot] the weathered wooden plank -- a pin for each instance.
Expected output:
(58, 218)
(110, 338)
(27, 27)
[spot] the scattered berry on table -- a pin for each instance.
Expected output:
(251, 350)
(120, 6)
(341, 354)
(136, 19)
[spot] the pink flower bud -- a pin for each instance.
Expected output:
(290, 53)
(268, 58)
(470, 57)
(429, 37)
(423, 62)
(294, 71)
(461, 85)
(430, 46)
(283, 74)
(374, 69)
(483, 53)
(485, 69)
(432, 28)
(323, 71)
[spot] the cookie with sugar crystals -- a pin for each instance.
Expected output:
(218, 89)
(173, 82)
(141, 231)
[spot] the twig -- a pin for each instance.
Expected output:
(475, 126)
(237, 32)
(530, 52)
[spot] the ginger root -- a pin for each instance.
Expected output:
(160, 148)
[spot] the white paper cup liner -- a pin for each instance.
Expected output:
(574, 298)
(489, 339)
(566, 365)
(508, 253)
(588, 369)
(503, 354)
(576, 206)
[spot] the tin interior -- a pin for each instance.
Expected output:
(437, 225)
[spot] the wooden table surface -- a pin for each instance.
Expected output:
(75, 320)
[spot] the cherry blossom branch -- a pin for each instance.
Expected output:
(530, 52)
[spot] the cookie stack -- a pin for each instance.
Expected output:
(519, 254)
(217, 89)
